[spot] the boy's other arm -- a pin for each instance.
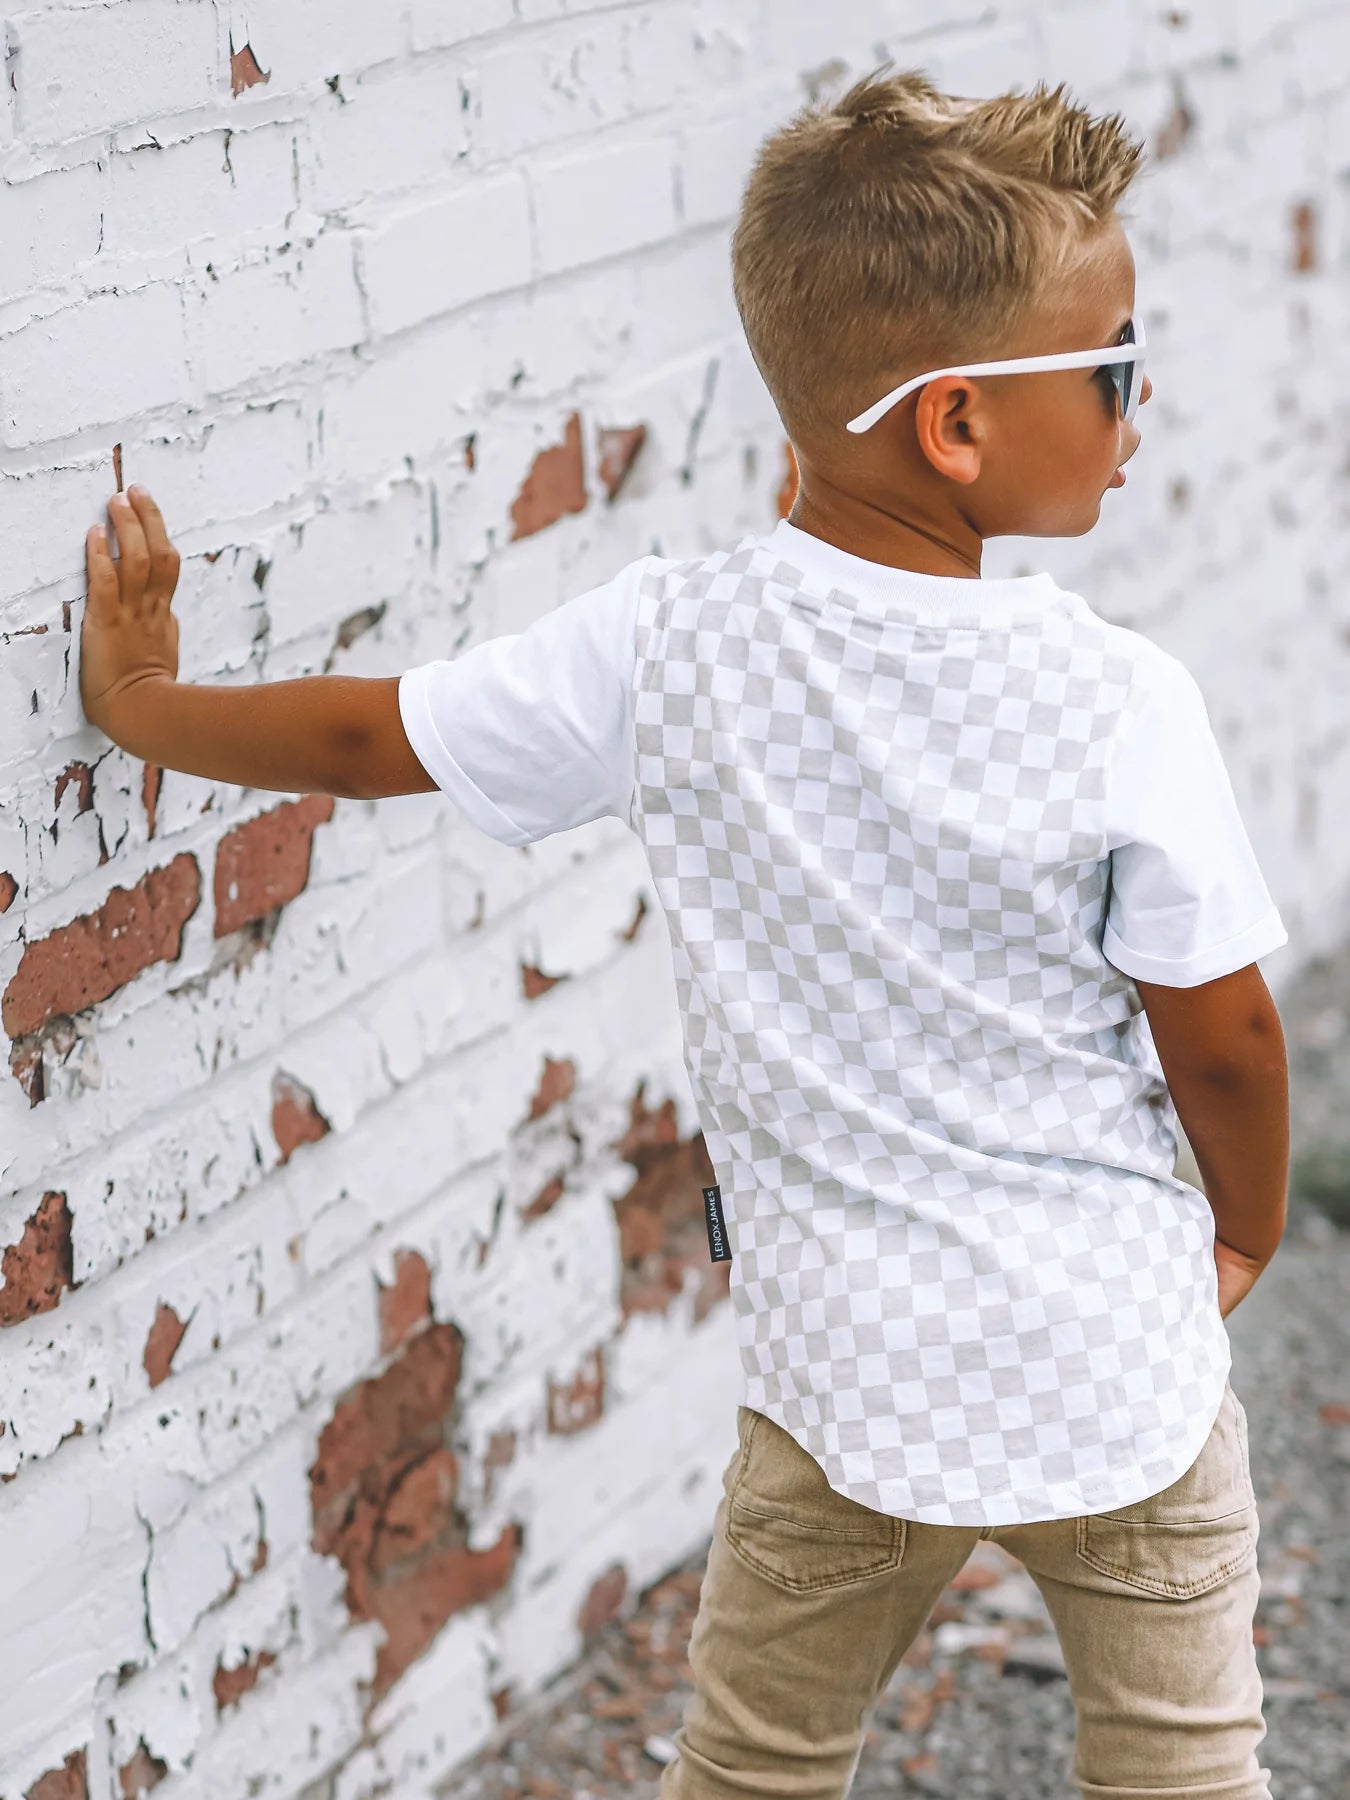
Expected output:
(329, 734)
(1221, 1046)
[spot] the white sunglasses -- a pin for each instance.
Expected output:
(1123, 362)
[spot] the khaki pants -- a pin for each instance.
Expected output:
(810, 1601)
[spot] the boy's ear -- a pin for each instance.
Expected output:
(949, 427)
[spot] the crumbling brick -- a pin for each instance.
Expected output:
(81, 777)
(265, 863)
(555, 1085)
(82, 963)
(66, 1783)
(619, 450)
(151, 778)
(244, 71)
(230, 1684)
(630, 931)
(8, 889)
(535, 982)
(406, 1304)
(166, 1334)
(577, 1404)
(662, 1228)
(143, 1772)
(40, 1267)
(1305, 238)
(604, 1602)
(501, 1453)
(545, 1200)
(383, 1489)
(1176, 128)
(555, 485)
(296, 1119)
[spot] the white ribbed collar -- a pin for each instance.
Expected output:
(905, 593)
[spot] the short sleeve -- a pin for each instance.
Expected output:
(532, 733)
(1188, 902)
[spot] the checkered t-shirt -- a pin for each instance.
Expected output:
(914, 835)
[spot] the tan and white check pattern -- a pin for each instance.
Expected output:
(965, 1278)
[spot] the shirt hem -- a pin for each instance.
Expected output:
(1006, 1511)
(1267, 934)
(414, 707)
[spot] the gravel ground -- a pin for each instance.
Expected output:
(979, 1708)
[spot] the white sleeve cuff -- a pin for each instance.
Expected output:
(1267, 934)
(414, 705)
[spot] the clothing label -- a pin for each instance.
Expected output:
(718, 1247)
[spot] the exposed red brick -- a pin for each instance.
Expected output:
(265, 863)
(501, 1701)
(501, 1453)
(117, 466)
(577, 1404)
(27, 1067)
(604, 1601)
(662, 1229)
(81, 777)
(545, 1200)
(296, 1119)
(414, 1604)
(82, 963)
(787, 494)
(166, 1334)
(418, 1509)
(619, 450)
(555, 1084)
(142, 1773)
(382, 1425)
(555, 485)
(66, 1783)
(355, 626)
(151, 777)
(383, 1487)
(8, 889)
(230, 1684)
(407, 1303)
(649, 1130)
(40, 1267)
(244, 71)
(1175, 129)
(1305, 237)
(631, 931)
(535, 982)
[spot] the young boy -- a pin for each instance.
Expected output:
(964, 916)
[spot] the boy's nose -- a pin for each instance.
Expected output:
(1145, 391)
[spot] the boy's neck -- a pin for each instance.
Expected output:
(864, 530)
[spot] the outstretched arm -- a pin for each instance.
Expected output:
(327, 734)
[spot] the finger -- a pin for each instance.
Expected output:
(102, 577)
(163, 557)
(133, 561)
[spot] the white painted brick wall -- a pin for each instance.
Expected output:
(331, 321)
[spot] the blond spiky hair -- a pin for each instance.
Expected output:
(899, 229)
